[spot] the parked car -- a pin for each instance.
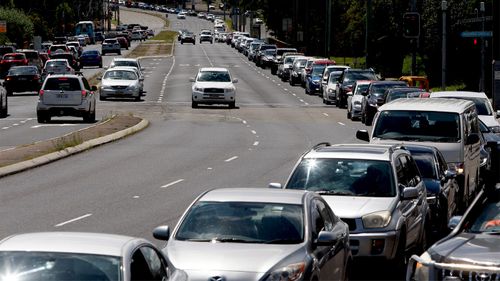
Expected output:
(67, 56)
(471, 251)
(66, 95)
(62, 256)
(278, 59)
(57, 48)
(349, 76)
(22, 79)
(265, 58)
(442, 187)
(4, 104)
(450, 125)
(484, 108)
(91, 58)
(213, 85)
(5, 49)
(181, 16)
(326, 75)
(188, 37)
(132, 62)
(122, 82)
(77, 45)
(313, 80)
(285, 67)
(259, 234)
(260, 52)
(111, 45)
(375, 97)
(376, 189)
(355, 98)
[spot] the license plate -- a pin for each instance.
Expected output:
(22, 79)
(62, 96)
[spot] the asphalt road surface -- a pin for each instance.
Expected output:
(149, 179)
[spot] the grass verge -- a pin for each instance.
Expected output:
(355, 62)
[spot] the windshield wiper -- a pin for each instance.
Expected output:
(335, 192)
(234, 240)
(284, 241)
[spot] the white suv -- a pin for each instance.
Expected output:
(376, 189)
(111, 45)
(66, 95)
(213, 85)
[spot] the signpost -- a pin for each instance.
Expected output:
(479, 34)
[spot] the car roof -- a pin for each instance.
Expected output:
(323, 61)
(67, 242)
(264, 195)
(385, 82)
(214, 69)
(352, 151)
(124, 59)
(443, 105)
(458, 94)
(420, 148)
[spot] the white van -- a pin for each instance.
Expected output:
(451, 125)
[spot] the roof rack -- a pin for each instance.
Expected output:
(321, 144)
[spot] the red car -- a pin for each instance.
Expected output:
(124, 43)
(11, 59)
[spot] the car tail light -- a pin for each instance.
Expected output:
(84, 93)
(40, 93)
(36, 77)
(8, 78)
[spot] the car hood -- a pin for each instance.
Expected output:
(433, 186)
(227, 256)
(357, 206)
(449, 150)
(223, 85)
(110, 82)
(470, 248)
(489, 120)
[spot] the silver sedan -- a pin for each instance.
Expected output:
(82, 256)
(259, 234)
(122, 82)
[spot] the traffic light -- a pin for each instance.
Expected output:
(411, 25)
(475, 41)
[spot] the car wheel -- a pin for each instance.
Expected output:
(89, 117)
(138, 98)
(194, 104)
(103, 53)
(4, 111)
(363, 117)
(182, 43)
(232, 104)
(401, 260)
(119, 53)
(101, 97)
(349, 114)
(9, 93)
(100, 65)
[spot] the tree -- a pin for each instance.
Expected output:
(20, 28)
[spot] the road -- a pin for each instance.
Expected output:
(149, 179)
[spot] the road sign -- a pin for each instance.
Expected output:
(3, 26)
(476, 34)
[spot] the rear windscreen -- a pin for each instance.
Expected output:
(62, 84)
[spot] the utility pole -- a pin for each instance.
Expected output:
(328, 27)
(367, 31)
(481, 80)
(444, 7)
(414, 43)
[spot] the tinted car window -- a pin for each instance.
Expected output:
(62, 84)
(23, 71)
(359, 75)
(426, 164)
(214, 76)
(13, 57)
(488, 220)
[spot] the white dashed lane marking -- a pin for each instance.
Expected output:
(172, 183)
(73, 220)
(231, 159)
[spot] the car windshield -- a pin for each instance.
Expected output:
(482, 105)
(352, 177)
(488, 219)
(426, 164)
(299, 63)
(334, 76)
(23, 70)
(120, 75)
(289, 60)
(359, 75)
(214, 76)
(58, 63)
(27, 266)
(90, 53)
(318, 69)
(270, 52)
(243, 222)
(418, 126)
(361, 88)
(379, 88)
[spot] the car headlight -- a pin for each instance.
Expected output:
(198, 89)
(330, 91)
(133, 87)
(228, 90)
(377, 219)
(456, 167)
(289, 273)
(495, 129)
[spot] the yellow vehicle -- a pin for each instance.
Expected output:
(416, 81)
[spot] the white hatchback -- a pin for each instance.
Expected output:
(213, 85)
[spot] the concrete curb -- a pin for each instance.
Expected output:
(51, 157)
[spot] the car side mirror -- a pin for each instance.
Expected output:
(363, 135)
(235, 80)
(472, 139)
(191, 79)
(454, 221)
(93, 88)
(141, 79)
(327, 238)
(162, 233)
(408, 193)
(142, 68)
(275, 185)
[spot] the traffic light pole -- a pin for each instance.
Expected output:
(414, 44)
(444, 7)
(481, 81)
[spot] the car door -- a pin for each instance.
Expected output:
(328, 259)
(417, 207)
(448, 195)
(148, 264)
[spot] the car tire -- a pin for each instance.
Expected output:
(9, 93)
(119, 53)
(101, 97)
(89, 117)
(232, 104)
(43, 117)
(194, 104)
(138, 98)
(182, 43)
(4, 111)
(100, 65)
(400, 261)
(349, 116)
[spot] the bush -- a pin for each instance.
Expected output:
(20, 28)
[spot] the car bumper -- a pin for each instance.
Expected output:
(124, 93)
(22, 86)
(65, 110)
(213, 98)
(362, 244)
(90, 62)
(313, 87)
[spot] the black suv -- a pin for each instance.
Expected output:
(347, 79)
(375, 97)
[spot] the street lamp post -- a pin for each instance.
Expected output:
(444, 7)
(481, 81)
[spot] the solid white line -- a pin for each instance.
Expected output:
(73, 220)
(326, 114)
(172, 183)
(231, 159)
(256, 143)
(254, 132)
(340, 123)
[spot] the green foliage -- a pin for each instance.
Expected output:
(20, 28)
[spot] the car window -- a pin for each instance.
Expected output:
(418, 125)
(426, 165)
(243, 222)
(487, 220)
(214, 76)
(62, 84)
(85, 83)
(411, 171)
(359, 75)
(23, 71)
(147, 265)
(353, 177)
(360, 88)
